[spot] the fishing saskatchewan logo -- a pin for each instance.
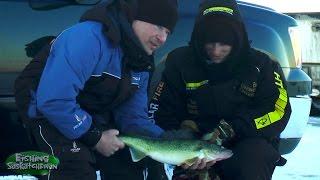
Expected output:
(32, 163)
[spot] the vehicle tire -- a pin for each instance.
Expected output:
(315, 106)
(13, 138)
(286, 146)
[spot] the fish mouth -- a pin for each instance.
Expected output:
(226, 154)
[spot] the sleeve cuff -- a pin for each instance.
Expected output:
(236, 127)
(91, 137)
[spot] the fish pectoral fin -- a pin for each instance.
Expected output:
(136, 155)
(207, 136)
(189, 162)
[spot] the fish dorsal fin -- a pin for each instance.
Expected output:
(136, 155)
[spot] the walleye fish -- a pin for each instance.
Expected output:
(175, 151)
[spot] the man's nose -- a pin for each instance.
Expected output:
(162, 36)
(215, 50)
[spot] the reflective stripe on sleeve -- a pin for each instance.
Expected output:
(280, 106)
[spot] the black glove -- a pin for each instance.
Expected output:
(222, 133)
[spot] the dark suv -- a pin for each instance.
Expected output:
(23, 21)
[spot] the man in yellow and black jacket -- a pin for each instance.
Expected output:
(221, 89)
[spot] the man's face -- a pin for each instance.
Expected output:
(217, 52)
(151, 36)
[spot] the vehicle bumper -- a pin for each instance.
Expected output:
(293, 132)
(299, 117)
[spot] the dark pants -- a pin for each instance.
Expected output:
(253, 159)
(121, 167)
(79, 162)
(76, 161)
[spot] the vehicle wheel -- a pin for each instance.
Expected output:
(315, 107)
(13, 138)
(286, 146)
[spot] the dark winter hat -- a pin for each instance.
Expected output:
(213, 30)
(160, 12)
(220, 7)
(220, 21)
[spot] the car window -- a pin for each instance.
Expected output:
(21, 25)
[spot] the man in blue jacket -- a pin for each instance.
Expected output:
(94, 82)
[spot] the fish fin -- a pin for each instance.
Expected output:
(189, 162)
(204, 175)
(207, 136)
(136, 155)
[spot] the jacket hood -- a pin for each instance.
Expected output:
(105, 13)
(117, 17)
(220, 14)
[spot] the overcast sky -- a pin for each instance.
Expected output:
(289, 6)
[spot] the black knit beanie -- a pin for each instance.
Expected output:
(219, 33)
(216, 29)
(159, 12)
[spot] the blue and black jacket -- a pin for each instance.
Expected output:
(84, 73)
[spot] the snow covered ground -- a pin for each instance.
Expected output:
(304, 162)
